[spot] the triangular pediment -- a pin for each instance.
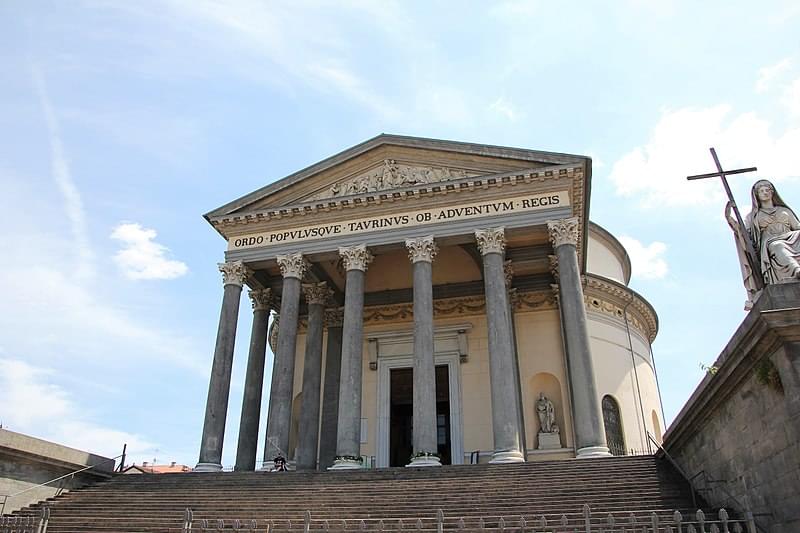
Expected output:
(390, 163)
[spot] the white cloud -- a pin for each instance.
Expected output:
(791, 97)
(767, 75)
(33, 404)
(504, 108)
(647, 262)
(678, 147)
(73, 205)
(142, 257)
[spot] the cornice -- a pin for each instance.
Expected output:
(612, 298)
(537, 157)
(469, 184)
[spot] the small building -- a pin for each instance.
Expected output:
(27, 462)
(436, 302)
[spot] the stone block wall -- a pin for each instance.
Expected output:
(740, 436)
(26, 462)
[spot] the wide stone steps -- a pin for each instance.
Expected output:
(151, 503)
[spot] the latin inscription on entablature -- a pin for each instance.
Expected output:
(422, 217)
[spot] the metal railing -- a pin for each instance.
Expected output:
(26, 524)
(70, 475)
(581, 522)
(676, 466)
(731, 499)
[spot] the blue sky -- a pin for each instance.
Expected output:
(122, 122)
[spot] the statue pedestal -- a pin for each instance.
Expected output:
(549, 441)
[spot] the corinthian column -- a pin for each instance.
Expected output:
(421, 252)
(505, 409)
(590, 438)
(308, 435)
(292, 266)
(233, 276)
(330, 393)
(253, 381)
(348, 439)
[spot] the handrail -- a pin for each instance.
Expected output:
(676, 466)
(7, 496)
(706, 478)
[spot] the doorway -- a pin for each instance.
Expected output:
(401, 415)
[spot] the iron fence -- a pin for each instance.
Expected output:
(581, 522)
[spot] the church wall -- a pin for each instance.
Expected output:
(602, 260)
(540, 352)
(475, 391)
(541, 355)
(615, 376)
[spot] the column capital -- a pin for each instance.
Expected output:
(564, 231)
(334, 317)
(356, 257)
(317, 293)
(422, 249)
(233, 273)
(261, 299)
(292, 265)
(491, 240)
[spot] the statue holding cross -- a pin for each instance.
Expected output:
(767, 240)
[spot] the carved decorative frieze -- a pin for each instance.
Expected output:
(564, 231)
(620, 302)
(317, 293)
(292, 265)
(261, 299)
(465, 305)
(491, 240)
(356, 257)
(234, 273)
(392, 176)
(389, 313)
(422, 249)
(534, 300)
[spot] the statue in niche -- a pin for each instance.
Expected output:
(547, 415)
(549, 437)
(774, 230)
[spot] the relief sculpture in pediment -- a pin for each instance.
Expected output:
(392, 176)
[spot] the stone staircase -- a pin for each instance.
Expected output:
(148, 503)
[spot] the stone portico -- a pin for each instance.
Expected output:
(427, 292)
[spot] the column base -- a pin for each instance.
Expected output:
(593, 451)
(507, 456)
(346, 464)
(424, 461)
(207, 467)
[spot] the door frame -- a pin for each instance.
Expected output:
(385, 365)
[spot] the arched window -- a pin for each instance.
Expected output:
(612, 420)
(656, 427)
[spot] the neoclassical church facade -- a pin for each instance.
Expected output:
(435, 302)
